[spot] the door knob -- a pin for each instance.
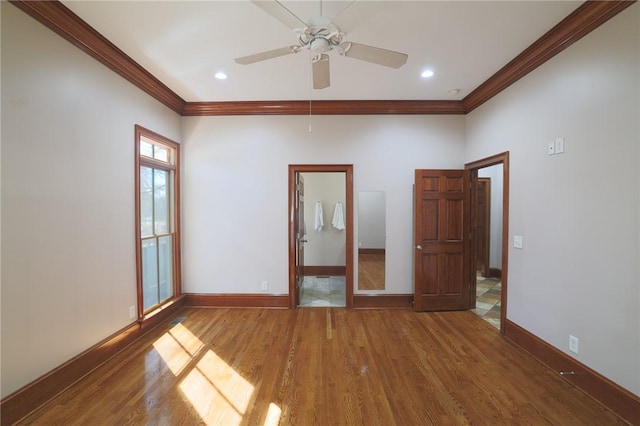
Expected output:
(419, 247)
(303, 241)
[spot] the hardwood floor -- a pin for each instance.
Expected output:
(322, 366)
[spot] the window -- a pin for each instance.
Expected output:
(157, 220)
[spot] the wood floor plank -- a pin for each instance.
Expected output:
(320, 366)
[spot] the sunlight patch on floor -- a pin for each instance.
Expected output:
(273, 415)
(177, 347)
(217, 392)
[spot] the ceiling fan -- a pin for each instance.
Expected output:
(320, 35)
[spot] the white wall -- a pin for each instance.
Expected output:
(68, 263)
(235, 188)
(326, 247)
(579, 211)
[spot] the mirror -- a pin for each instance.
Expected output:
(371, 240)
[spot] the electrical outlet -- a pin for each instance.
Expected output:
(264, 285)
(132, 312)
(551, 148)
(573, 344)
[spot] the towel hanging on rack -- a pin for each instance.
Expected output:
(319, 221)
(338, 217)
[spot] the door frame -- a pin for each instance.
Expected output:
(347, 169)
(473, 167)
(487, 225)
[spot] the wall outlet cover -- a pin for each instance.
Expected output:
(573, 344)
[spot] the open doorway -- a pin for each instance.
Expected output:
(303, 228)
(489, 237)
(324, 254)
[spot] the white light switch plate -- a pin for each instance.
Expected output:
(559, 146)
(573, 344)
(517, 241)
(551, 148)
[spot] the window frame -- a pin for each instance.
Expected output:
(173, 167)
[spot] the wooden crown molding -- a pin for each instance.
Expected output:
(345, 107)
(586, 18)
(579, 23)
(58, 18)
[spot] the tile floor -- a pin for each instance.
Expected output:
(488, 300)
(323, 291)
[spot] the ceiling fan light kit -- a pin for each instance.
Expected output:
(320, 35)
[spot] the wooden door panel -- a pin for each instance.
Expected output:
(453, 282)
(429, 271)
(454, 224)
(441, 237)
(430, 229)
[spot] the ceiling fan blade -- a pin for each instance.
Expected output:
(357, 12)
(375, 55)
(281, 13)
(263, 56)
(320, 70)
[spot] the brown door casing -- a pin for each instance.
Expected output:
(300, 235)
(441, 240)
(482, 209)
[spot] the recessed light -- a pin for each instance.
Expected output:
(220, 75)
(427, 74)
(454, 91)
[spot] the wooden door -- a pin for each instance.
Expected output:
(441, 235)
(482, 208)
(300, 231)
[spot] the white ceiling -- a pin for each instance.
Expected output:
(184, 43)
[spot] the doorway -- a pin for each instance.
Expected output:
(489, 237)
(297, 231)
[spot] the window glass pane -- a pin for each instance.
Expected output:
(166, 266)
(146, 201)
(160, 153)
(149, 273)
(146, 149)
(161, 198)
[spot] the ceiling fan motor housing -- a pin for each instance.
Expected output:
(320, 45)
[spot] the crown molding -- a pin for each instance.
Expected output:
(346, 107)
(60, 19)
(587, 17)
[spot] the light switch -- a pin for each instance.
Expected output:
(559, 145)
(517, 241)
